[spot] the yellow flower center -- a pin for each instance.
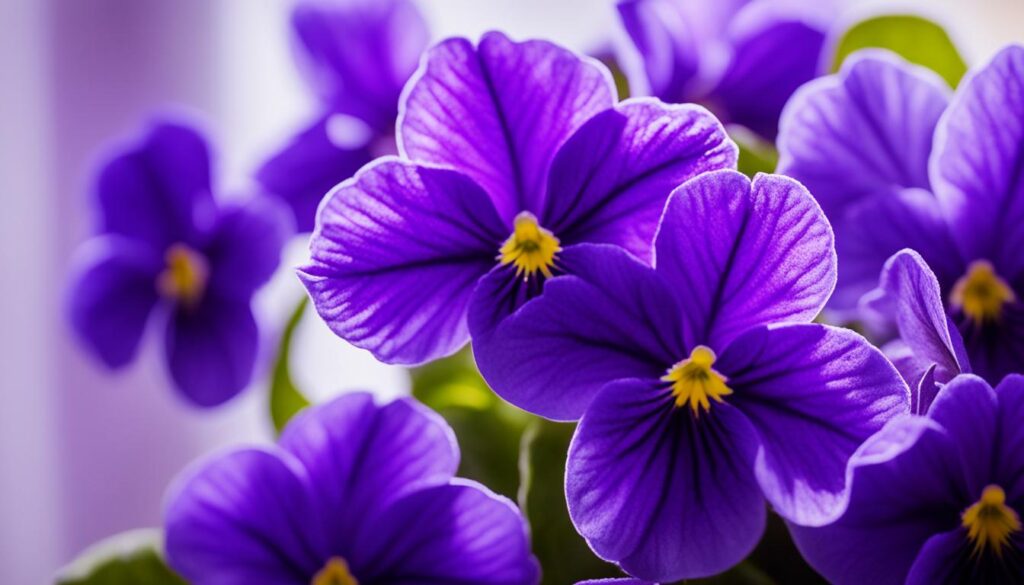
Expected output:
(335, 572)
(184, 279)
(990, 522)
(981, 294)
(695, 382)
(530, 247)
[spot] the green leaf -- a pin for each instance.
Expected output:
(285, 398)
(488, 429)
(756, 154)
(564, 555)
(916, 39)
(129, 558)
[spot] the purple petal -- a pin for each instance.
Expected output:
(611, 318)
(906, 486)
(814, 394)
(499, 112)
(1010, 472)
(950, 558)
(245, 246)
(211, 349)
(243, 518)
(968, 410)
(739, 254)
(615, 582)
(976, 169)
(158, 190)
(360, 53)
(361, 458)
(309, 166)
(864, 131)
(457, 533)
(610, 181)
(111, 295)
(995, 349)
(395, 256)
(667, 44)
(666, 495)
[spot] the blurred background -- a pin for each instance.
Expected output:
(84, 453)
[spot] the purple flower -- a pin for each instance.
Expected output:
(354, 493)
(518, 154)
(702, 386)
(935, 499)
(895, 163)
(357, 55)
(741, 57)
(170, 256)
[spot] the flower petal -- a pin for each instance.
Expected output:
(359, 54)
(112, 293)
(245, 246)
(612, 317)
(814, 394)
(308, 167)
(158, 190)
(666, 495)
(968, 410)
(610, 180)
(361, 458)
(456, 533)
(906, 485)
(243, 518)
(1010, 473)
(211, 349)
(395, 256)
(976, 168)
(499, 112)
(740, 254)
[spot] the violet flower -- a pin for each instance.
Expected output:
(357, 55)
(354, 494)
(518, 153)
(741, 58)
(935, 499)
(896, 164)
(703, 387)
(168, 254)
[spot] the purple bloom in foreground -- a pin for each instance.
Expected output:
(354, 493)
(518, 153)
(702, 386)
(896, 163)
(168, 254)
(935, 499)
(615, 582)
(357, 55)
(742, 58)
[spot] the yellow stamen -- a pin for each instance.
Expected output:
(981, 294)
(530, 247)
(694, 381)
(990, 522)
(184, 279)
(335, 572)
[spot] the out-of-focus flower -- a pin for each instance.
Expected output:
(896, 164)
(518, 153)
(615, 582)
(702, 386)
(935, 499)
(741, 58)
(170, 255)
(354, 493)
(357, 55)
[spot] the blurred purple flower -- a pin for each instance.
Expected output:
(168, 252)
(896, 164)
(357, 55)
(742, 58)
(934, 499)
(520, 143)
(354, 493)
(702, 386)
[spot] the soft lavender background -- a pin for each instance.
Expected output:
(85, 454)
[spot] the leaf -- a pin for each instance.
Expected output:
(563, 554)
(916, 39)
(487, 428)
(129, 558)
(756, 154)
(285, 398)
